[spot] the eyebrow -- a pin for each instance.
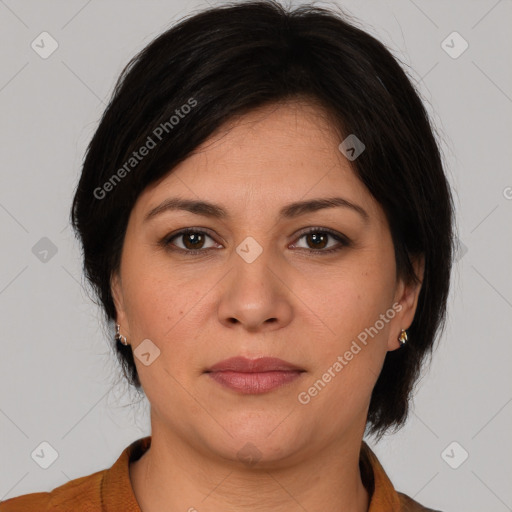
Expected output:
(289, 211)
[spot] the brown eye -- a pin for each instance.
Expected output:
(317, 240)
(192, 241)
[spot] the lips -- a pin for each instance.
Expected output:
(262, 364)
(254, 376)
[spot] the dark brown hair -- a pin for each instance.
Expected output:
(230, 59)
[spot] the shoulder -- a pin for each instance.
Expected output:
(27, 502)
(81, 494)
(91, 493)
(409, 505)
(384, 495)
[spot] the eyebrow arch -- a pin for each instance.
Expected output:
(289, 211)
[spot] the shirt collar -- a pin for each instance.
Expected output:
(116, 488)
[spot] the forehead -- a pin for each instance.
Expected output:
(272, 140)
(271, 156)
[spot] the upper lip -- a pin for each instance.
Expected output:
(245, 365)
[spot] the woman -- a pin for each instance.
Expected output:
(267, 224)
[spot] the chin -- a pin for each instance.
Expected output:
(258, 440)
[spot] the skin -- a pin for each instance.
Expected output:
(292, 303)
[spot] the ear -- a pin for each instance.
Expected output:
(116, 289)
(406, 295)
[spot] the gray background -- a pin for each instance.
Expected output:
(60, 381)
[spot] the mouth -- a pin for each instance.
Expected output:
(254, 376)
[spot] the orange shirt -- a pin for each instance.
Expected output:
(110, 490)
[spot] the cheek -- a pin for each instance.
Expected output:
(354, 301)
(359, 312)
(162, 306)
(163, 312)
(155, 295)
(347, 367)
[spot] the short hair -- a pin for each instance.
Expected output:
(228, 60)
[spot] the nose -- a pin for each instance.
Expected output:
(256, 294)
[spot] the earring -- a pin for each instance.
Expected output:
(119, 337)
(402, 338)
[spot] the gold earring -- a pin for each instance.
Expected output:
(119, 337)
(402, 337)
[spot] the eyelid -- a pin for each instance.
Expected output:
(166, 240)
(340, 237)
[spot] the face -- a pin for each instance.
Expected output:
(315, 287)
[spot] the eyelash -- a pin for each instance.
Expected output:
(166, 241)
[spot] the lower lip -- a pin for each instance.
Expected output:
(254, 383)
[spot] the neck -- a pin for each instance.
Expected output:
(173, 475)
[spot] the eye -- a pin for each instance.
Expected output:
(193, 241)
(318, 237)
